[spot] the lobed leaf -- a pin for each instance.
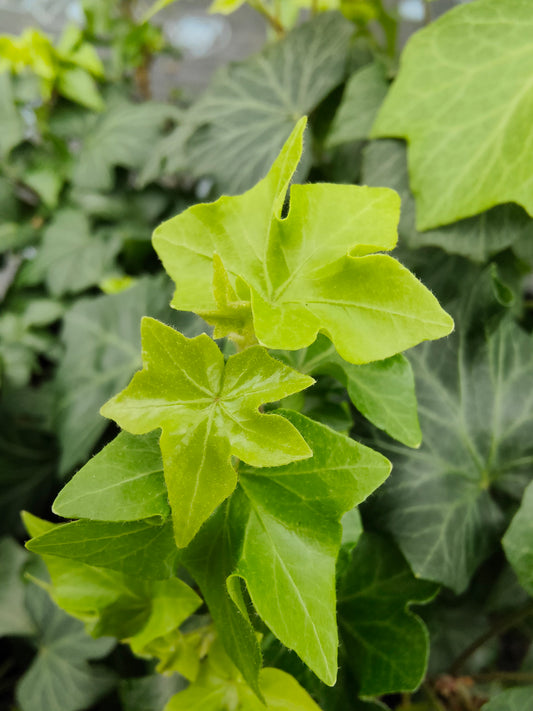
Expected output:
(207, 411)
(475, 410)
(238, 126)
(469, 146)
(297, 282)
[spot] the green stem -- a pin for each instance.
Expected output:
(272, 20)
(502, 625)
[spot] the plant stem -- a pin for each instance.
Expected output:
(269, 17)
(498, 627)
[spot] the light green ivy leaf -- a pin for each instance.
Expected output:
(467, 121)
(386, 645)
(123, 482)
(293, 535)
(211, 558)
(137, 548)
(383, 391)
(208, 411)
(297, 281)
(220, 686)
(518, 541)
(236, 129)
(112, 603)
(475, 408)
(385, 164)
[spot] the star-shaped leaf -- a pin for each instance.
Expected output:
(208, 411)
(465, 111)
(310, 271)
(386, 645)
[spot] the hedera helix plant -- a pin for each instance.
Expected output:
(203, 482)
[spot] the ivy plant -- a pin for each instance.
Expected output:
(294, 487)
(269, 489)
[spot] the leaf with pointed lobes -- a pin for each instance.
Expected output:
(207, 411)
(314, 270)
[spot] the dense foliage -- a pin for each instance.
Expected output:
(286, 485)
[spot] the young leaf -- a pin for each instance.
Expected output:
(133, 548)
(112, 603)
(386, 644)
(466, 121)
(236, 129)
(60, 678)
(384, 391)
(293, 534)
(518, 541)
(475, 413)
(220, 686)
(211, 558)
(385, 164)
(123, 482)
(298, 282)
(207, 411)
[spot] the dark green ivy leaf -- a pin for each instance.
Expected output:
(293, 535)
(511, 700)
(386, 645)
(72, 257)
(475, 407)
(237, 128)
(60, 678)
(14, 618)
(518, 541)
